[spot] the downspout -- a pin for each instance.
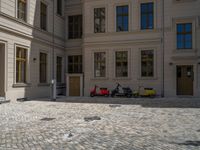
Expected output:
(163, 49)
(53, 58)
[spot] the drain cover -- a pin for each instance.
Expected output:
(47, 119)
(92, 118)
(114, 106)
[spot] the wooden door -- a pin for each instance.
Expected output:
(74, 86)
(185, 77)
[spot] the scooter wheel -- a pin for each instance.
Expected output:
(91, 95)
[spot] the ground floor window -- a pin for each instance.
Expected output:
(75, 64)
(147, 63)
(21, 62)
(59, 69)
(43, 67)
(121, 64)
(100, 64)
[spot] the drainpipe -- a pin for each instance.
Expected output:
(163, 49)
(53, 59)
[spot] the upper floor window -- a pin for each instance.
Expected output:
(43, 16)
(59, 7)
(43, 67)
(184, 36)
(100, 64)
(99, 20)
(147, 16)
(75, 27)
(122, 64)
(21, 9)
(21, 65)
(147, 63)
(75, 64)
(122, 18)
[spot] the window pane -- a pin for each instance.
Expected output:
(75, 64)
(100, 64)
(122, 18)
(147, 16)
(21, 60)
(147, 63)
(122, 64)
(184, 36)
(75, 27)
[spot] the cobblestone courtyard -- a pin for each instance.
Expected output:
(124, 124)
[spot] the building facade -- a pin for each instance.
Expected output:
(82, 43)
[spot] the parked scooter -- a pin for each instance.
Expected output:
(144, 92)
(96, 91)
(121, 91)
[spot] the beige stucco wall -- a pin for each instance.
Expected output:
(28, 35)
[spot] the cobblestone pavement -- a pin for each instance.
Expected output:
(124, 124)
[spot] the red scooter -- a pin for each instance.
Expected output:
(96, 91)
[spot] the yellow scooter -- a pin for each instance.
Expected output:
(144, 92)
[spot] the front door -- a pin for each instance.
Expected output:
(74, 86)
(2, 70)
(185, 77)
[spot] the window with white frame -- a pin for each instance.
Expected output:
(21, 65)
(99, 20)
(184, 35)
(75, 27)
(147, 63)
(121, 66)
(147, 15)
(99, 64)
(43, 16)
(59, 7)
(122, 18)
(43, 68)
(59, 69)
(22, 10)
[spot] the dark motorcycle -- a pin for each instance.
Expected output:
(121, 91)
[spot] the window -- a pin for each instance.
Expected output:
(59, 7)
(147, 16)
(147, 63)
(21, 62)
(75, 27)
(122, 18)
(100, 64)
(122, 64)
(59, 69)
(43, 16)
(99, 20)
(184, 36)
(21, 10)
(75, 64)
(43, 68)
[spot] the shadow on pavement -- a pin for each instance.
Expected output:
(144, 102)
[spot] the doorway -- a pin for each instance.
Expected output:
(2, 70)
(185, 79)
(74, 86)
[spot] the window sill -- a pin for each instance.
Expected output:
(99, 78)
(43, 84)
(19, 85)
(122, 78)
(60, 16)
(147, 78)
(185, 50)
